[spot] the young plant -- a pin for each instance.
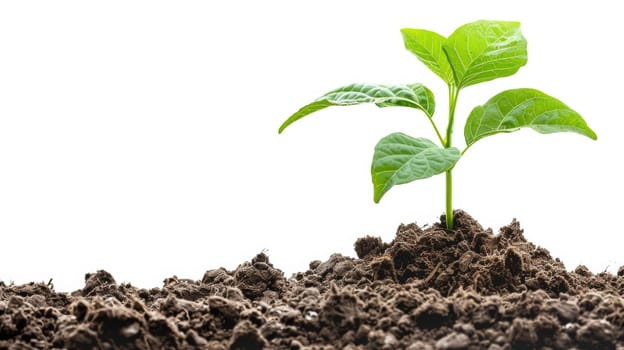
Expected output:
(475, 53)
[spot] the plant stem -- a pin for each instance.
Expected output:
(436, 130)
(449, 199)
(453, 94)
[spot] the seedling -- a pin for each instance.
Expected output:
(475, 53)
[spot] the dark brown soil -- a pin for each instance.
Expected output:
(427, 289)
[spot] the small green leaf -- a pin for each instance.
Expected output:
(400, 159)
(411, 95)
(485, 50)
(427, 46)
(514, 109)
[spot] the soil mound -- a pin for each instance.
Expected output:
(427, 289)
(472, 258)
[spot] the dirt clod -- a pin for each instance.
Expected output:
(429, 288)
(368, 247)
(453, 341)
(246, 337)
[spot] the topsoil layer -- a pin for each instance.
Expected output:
(427, 289)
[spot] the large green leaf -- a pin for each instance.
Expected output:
(427, 46)
(514, 109)
(485, 50)
(411, 95)
(400, 159)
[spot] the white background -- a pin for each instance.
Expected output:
(141, 137)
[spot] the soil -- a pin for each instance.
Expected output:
(427, 289)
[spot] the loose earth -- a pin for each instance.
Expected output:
(427, 289)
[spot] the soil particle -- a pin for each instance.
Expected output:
(432, 314)
(226, 313)
(219, 275)
(100, 283)
(453, 341)
(429, 288)
(566, 311)
(77, 337)
(383, 268)
(369, 247)
(596, 334)
(246, 337)
(522, 334)
(420, 345)
(258, 278)
(341, 309)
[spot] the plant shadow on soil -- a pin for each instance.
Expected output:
(427, 289)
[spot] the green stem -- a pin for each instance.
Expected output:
(453, 94)
(435, 127)
(449, 199)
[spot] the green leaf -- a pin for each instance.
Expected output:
(485, 50)
(400, 159)
(514, 109)
(427, 46)
(411, 95)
